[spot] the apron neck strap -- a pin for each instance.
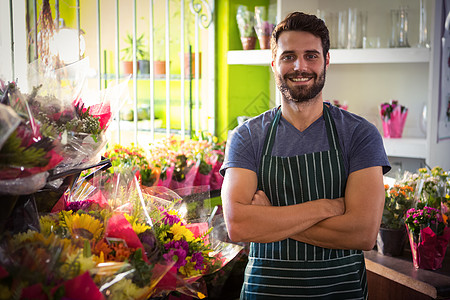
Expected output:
(329, 124)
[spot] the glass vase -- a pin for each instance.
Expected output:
(423, 28)
(394, 28)
(403, 27)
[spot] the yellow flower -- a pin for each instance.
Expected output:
(126, 289)
(83, 225)
(137, 227)
(81, 263)
(23, 237)
(179, 232)
(48, 225)
(5, 293)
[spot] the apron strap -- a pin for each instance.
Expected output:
(332, 135)
(270, 136)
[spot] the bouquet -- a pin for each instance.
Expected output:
(187, 163)
(59, 127)
(393, 116)
(100, 246)
(430, 186)
(193, 246)
(428, 237)
(398, 200)
(134, 157)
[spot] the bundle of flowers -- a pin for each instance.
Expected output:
(393, 116)
(100, 246)
(398, 200)
(134, 157)
(26, 152)
(428, 236)
(431, 186)
(193, 248)
(58, 127)
(174, 163)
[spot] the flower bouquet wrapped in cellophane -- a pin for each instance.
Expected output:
(428, 236)
(99, 246)
(187, 163)
(62, 126)
(191, 243)
(134, 157)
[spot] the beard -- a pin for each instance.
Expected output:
(300, 93)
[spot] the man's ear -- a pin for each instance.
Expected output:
(327, 61)
(273, 65)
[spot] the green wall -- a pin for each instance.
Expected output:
(241, 90)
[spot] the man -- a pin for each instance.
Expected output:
(304, 182)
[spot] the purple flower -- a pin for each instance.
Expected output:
(178, 255)
(177, 251)
(77, 205)
(197, 257)
(169, 219)
(181, 244)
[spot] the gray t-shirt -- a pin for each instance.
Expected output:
(360, 141)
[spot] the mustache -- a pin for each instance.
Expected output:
(299, 74)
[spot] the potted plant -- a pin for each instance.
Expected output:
(246, 22)
(392, 234)
(428, 236)
(127, 56)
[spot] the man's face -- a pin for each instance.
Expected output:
(299, 66)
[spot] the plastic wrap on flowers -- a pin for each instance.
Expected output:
(100, 242)
(191, 246)
(63, 127)
(26, 154)
(134, 156)
(428, 249)
(71, 113)
(428, 237)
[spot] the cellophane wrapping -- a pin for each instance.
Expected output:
(59, 126)
(100, 245)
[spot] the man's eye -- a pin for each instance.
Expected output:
(288, 57)
(311, 56)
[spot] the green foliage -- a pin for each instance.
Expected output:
(142, 274)
(398, 200)
(128, 50)
(13, 154)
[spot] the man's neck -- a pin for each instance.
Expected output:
(302, 115)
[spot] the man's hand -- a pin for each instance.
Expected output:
(260, 198)
(336, 206)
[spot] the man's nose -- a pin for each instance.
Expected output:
(299, 64)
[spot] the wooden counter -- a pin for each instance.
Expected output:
(396, 278)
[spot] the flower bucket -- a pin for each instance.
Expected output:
(428, 249)
(391, 242)
(394, 121)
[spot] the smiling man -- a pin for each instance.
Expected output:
(304, 181)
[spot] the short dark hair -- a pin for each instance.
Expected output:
(299, 21)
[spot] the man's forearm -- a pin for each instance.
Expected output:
(264, 224)
(341, 232)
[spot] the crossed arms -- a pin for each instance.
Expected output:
(344, 223)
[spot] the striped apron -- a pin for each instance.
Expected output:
(289, 269)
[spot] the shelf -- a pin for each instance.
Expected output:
(406, 147)
(140, 76)
(340, 56)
